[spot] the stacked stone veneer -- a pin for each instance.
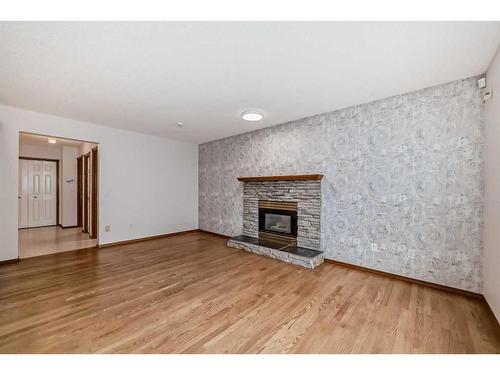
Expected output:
(307, 194)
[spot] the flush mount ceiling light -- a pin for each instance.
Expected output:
(252, 116)
(180, 124)
(52, 141)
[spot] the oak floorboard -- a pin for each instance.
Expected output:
(193, 294)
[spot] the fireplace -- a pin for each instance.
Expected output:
(278, 221)
(281, 218)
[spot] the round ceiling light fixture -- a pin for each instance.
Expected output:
(52, 141)
(180, 124)
(252, 116)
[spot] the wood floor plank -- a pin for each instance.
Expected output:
(193, 294)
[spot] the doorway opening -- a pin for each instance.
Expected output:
(57, 194)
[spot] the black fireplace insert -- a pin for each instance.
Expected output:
(279, 222)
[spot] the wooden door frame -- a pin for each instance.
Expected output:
(85, 226)
(57, 187)
(94, 196)
(79, 192)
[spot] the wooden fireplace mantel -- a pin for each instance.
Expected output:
(297, 177)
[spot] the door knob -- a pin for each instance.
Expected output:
(34, 196)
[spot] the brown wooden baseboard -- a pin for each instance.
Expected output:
(409, 279)
(147, 238)
(213, 233)
(9, 261)
(41, 226)
(68, 227)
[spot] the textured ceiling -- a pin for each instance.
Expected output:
(147, 76)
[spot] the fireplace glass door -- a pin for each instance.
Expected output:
(278, 223)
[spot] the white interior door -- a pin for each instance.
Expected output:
(42, 200)
(22, 195)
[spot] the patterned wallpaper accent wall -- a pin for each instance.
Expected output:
(403, 173)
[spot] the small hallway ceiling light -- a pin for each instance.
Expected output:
(180, 124)
(252, 116)
(52, 141)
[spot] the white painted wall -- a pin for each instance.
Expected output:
(69, 188)
(148, 185)
(39, 151)
(85, 147)
(492, 184)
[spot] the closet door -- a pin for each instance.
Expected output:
(22, 195)
(86, 169)
(42, 199)
(93, 193)
(79, 205)
(49, 192)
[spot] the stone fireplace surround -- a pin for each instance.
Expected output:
(303, 189)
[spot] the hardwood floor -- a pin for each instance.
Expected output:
(192, 294)
(48, 240)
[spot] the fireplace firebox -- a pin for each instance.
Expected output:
(278, 220)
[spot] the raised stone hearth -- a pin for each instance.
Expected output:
(285, 252)
(302, 192)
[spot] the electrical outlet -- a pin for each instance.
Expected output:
(411, 253)
(374, 246)
(487, 95)
(107, 228)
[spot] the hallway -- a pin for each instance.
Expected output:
(50, 240)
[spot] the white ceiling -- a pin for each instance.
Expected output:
(147, 76)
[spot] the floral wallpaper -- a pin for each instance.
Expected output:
(403, 189)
